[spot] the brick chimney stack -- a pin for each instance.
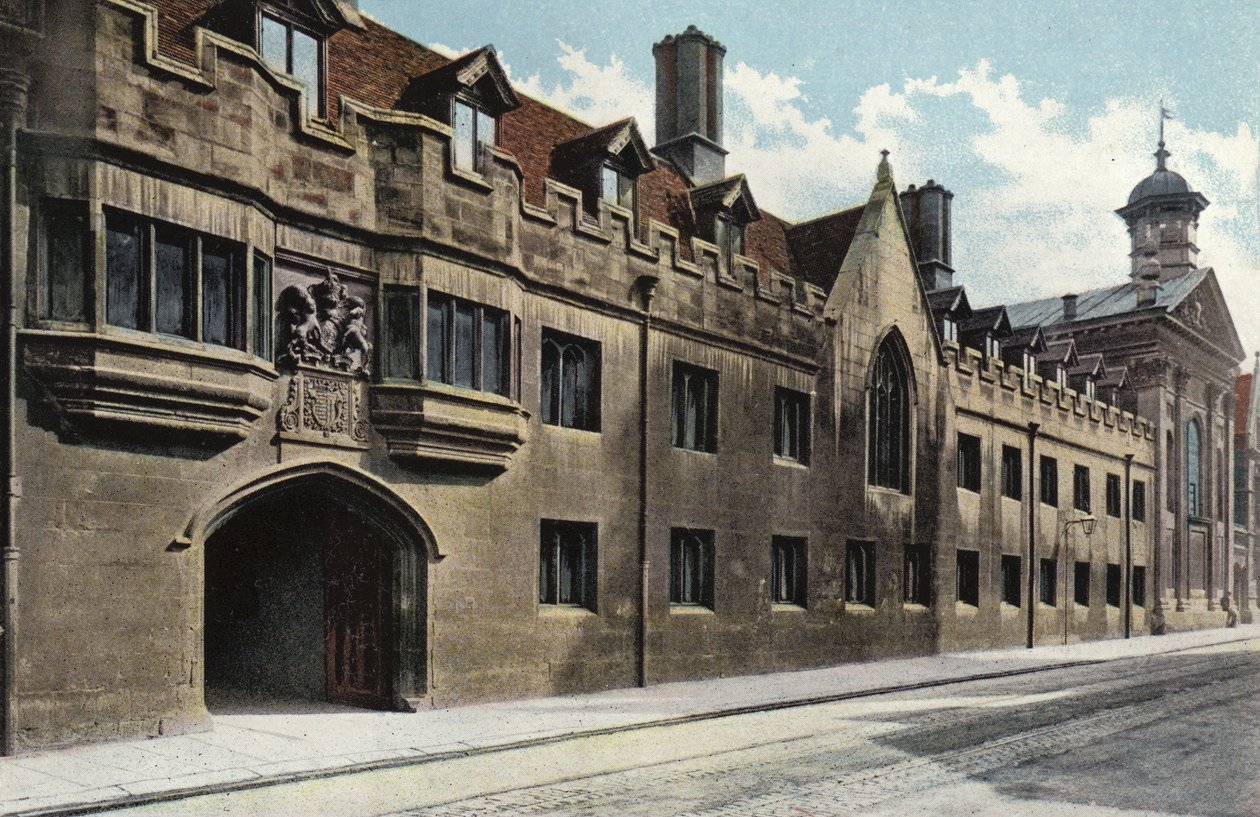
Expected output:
(689, 104)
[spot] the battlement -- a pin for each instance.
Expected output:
(1027, 395)
(390, 174)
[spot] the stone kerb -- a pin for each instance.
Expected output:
(564, 205)
(970, 363)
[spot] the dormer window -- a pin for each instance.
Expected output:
(992, 349)
(1089, 388)
(949, 329)
(288, 49)
(1030, 366)
(616, 187)
(473, 129)
(1060, 376)
(728, 235)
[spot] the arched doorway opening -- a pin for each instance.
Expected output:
(314, 591)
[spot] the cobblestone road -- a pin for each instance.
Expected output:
(1167, 735)
(860, 766)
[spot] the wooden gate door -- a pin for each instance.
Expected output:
(358, 614)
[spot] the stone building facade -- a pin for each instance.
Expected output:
(340, 370)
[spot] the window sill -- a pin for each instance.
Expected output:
(135, 378)
(916, 608)
(695, 451)
(436, 423)
(788, 462)
(786, 607)
(676, 609)
(565, 611)
(556, 427)
(859, 608)
(471, 178)
(1008, 610)
(966, 609)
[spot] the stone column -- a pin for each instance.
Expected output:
(1211, 393)
(1177, 485)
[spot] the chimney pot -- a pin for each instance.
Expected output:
(1069, 307)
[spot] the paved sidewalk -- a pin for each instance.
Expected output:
(246, 750)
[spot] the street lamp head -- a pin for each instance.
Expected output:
(1088, 525)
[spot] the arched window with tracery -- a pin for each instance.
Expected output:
(1194, 475)
(570, 381)
(889, 419)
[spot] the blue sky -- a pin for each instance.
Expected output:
(1040, 117)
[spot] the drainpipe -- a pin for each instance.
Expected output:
(1033, 506)
(1128, 545)
(646, 284)
(13, 90)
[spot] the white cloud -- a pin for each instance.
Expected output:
(1036, 180)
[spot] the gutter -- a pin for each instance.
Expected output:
(13, 90)
(646, 285)
(1034, 504)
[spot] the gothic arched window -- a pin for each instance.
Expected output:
(570, 381)
(888, 420)
(1194, 476)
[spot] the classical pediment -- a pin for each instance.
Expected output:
(1203, 311)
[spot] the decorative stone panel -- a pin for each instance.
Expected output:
(107, 380)
(434, 423)
(325, 407)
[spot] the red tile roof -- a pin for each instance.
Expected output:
(374, 65)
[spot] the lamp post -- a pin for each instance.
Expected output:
(1087, 524)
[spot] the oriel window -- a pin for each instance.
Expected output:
(401, 353)
(570, 388)
(156, 274)
(469, 345)
(66, 261)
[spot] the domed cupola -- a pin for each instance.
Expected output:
(1162, 206)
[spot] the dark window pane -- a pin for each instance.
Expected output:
(124, 292)
(465, 344)
(262, 307)
(493, 359)
(1081, 583)
(549, 390)
(888, 422)
(173, 256)
(691, 567)
(1012, 473)
(306, 70)
(1139, 501)
(275, 45)
(1010, 580)
(969, 577)
(1048, 580)
(1115, 585)
(402, 308)
(217, 304)
(65, 271)
(608, 184)
(1139, 586)
(1050, 481)
(969, 462)
(437, 333)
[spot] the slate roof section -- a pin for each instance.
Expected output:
(818, 247)
(953, 299)
(1105, 302)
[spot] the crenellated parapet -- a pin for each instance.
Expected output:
(990, 385)
(389, 177)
